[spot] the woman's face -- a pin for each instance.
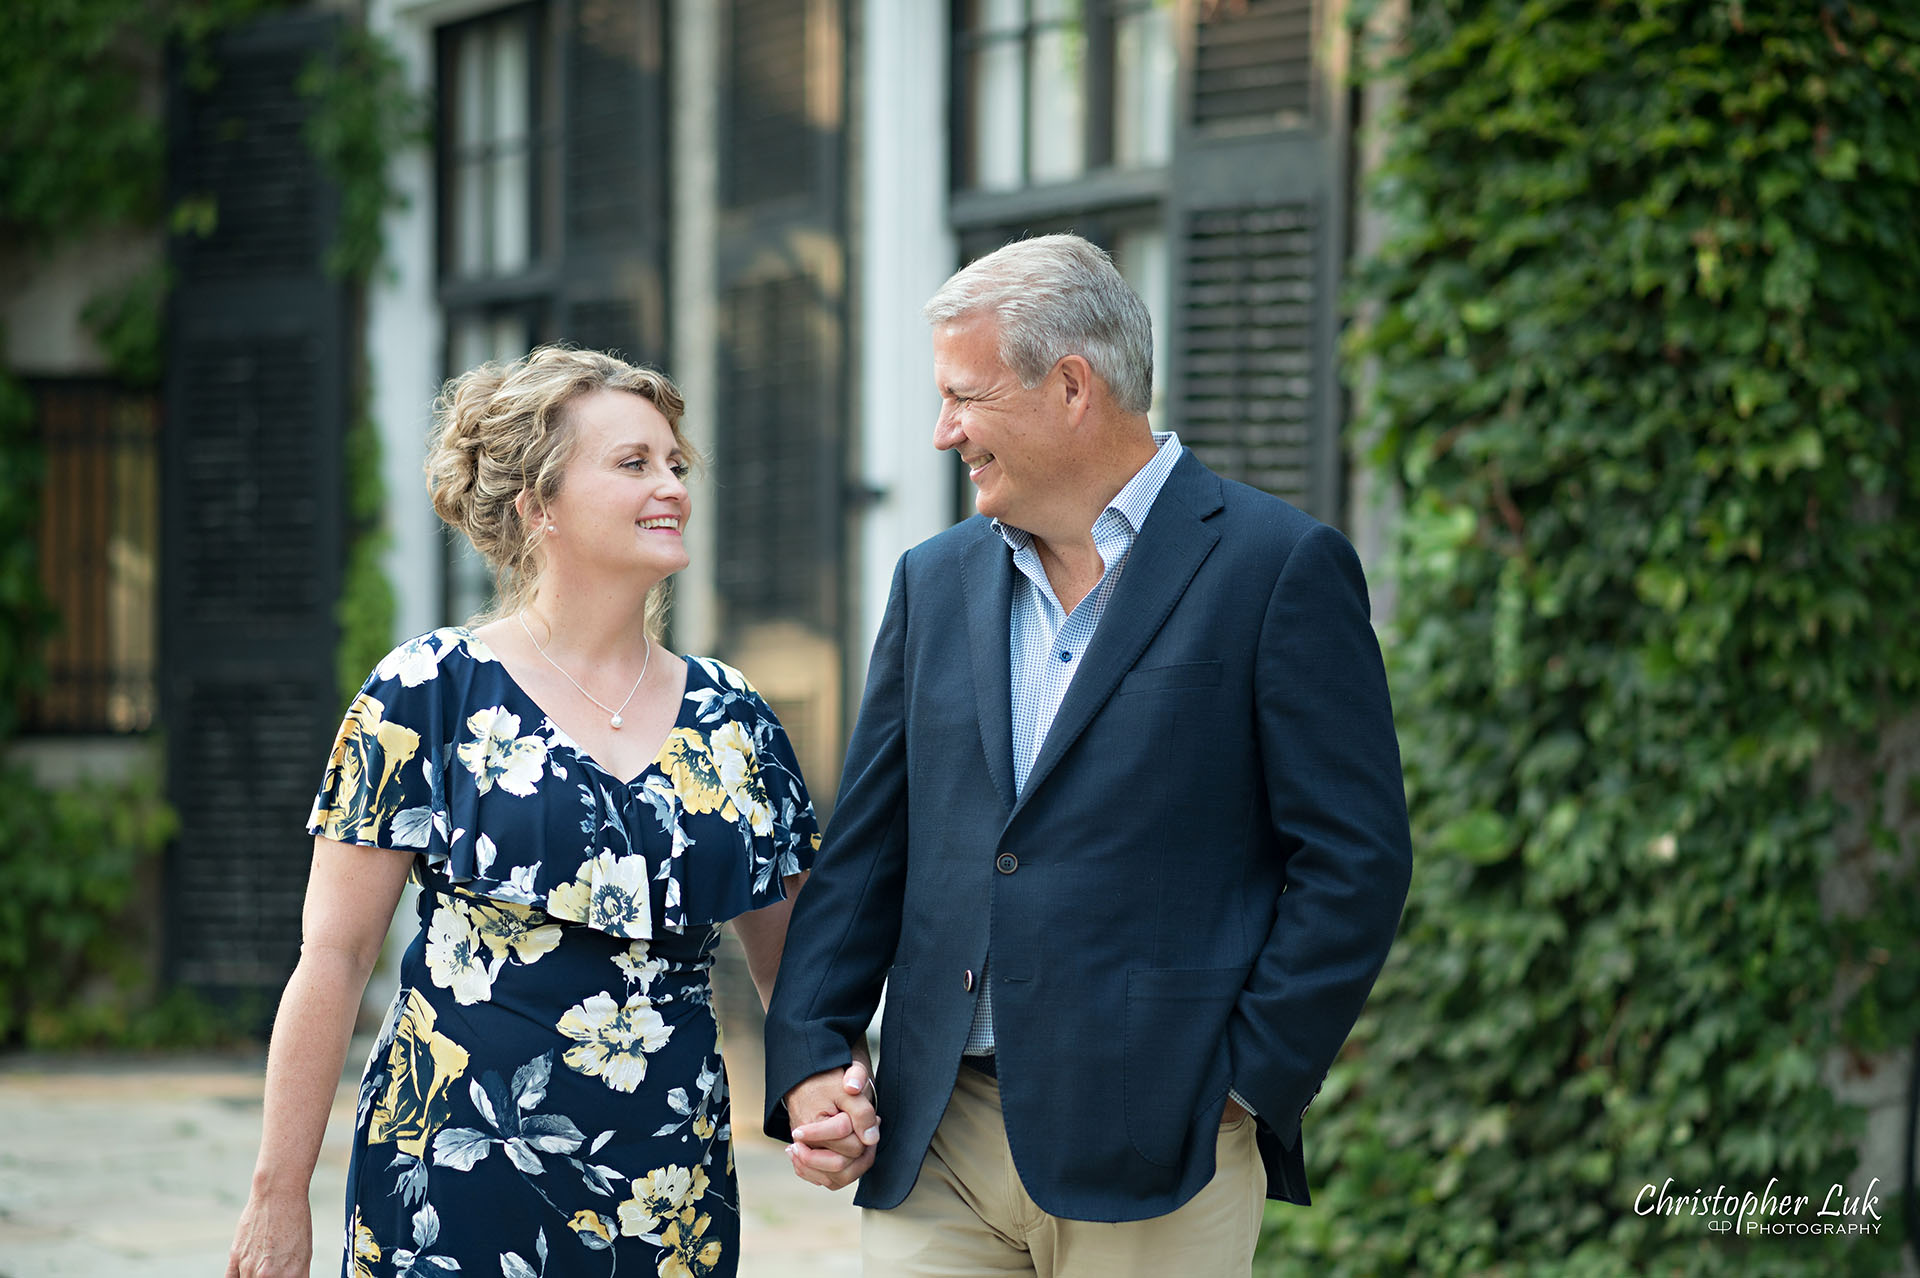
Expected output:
(623, 504)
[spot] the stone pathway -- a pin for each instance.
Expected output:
(117, 1168)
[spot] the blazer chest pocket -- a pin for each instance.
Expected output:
(1189, 674)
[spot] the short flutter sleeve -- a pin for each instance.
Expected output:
(377, 789)
(745, 810)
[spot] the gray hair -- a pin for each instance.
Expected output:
(1054, 296)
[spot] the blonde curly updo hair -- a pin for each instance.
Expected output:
(503, 429)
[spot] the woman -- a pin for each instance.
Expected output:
(582, 811)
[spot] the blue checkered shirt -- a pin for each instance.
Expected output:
(1046, 644)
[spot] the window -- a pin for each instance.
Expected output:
(1054, 90)
(1065, 121)
(98, 544)
(1218, 184)
(496, 157)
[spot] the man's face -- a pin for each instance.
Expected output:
(1009, 435)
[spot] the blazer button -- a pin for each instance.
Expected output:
(1007, 863)
(966, 981)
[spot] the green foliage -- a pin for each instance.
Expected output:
(362, 114)
(365, 610)
(1645, 350)
(127, 322)
(81, 147)
(71, 860)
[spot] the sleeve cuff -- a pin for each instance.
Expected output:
(1242, 1102)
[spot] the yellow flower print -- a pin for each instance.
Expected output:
(498, 755)
(366, 1252)
(457, 957)
(363, 773)
(695, 778)
(614, 1038)
(591, 1225)
(422, 1065)
(508, 929)
(608, 893)
(689, 1253)
(660, 1195)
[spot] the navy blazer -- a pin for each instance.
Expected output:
(1195, 890)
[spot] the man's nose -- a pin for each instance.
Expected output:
(946, 432)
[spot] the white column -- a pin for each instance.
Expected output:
(693, 337)
(907, 251)
(403, 345)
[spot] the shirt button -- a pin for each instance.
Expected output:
(966, 981)
(1007, 863)
(1066, 656)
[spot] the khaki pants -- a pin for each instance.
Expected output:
(968, 1214)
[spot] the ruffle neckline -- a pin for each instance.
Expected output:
(522, 816)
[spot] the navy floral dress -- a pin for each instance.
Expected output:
(547, 1097)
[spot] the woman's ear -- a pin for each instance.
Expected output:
(531, 516)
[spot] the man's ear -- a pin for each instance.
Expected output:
(1076, 377)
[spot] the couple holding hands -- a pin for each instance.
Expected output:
(1121, 831)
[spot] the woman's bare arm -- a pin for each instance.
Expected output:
(351, 894)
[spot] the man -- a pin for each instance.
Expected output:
(1122, 828)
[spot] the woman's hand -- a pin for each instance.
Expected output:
(274, 1238)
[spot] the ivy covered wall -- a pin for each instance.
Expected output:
(1643, 365)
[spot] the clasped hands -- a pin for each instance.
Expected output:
(836, 1126)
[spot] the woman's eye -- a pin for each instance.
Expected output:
(681, 470)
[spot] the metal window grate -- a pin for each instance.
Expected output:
(774, 465)
(1247, 341)
(769, 150)
(98, 545)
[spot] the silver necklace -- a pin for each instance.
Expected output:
(614, 722)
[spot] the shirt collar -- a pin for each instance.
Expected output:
(1135, 497)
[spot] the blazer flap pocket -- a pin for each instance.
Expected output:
(1188, 674)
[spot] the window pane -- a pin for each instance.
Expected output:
(490, 157)
(994, 90)
(993, 15)
(1140, 253)
(512, 123)
(1143, 78)
(1056, 124)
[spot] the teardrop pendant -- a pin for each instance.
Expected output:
(616, 721)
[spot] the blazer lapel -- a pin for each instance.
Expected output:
(986, 586)
(1167, 552)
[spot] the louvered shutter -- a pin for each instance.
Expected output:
(614, 160)
(256, 400)
(1257, 228)
(781, 422)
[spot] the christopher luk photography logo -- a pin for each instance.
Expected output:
(1770, 1211)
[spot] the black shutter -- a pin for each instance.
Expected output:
(256, 397)
(1258, 234)
(781, 423)
(614, 157)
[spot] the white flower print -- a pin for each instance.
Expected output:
(415, 661)
(614, 1038)
(457, 956)
(608, 893)
(661, 1195)
(498, 755)
(639, 966)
